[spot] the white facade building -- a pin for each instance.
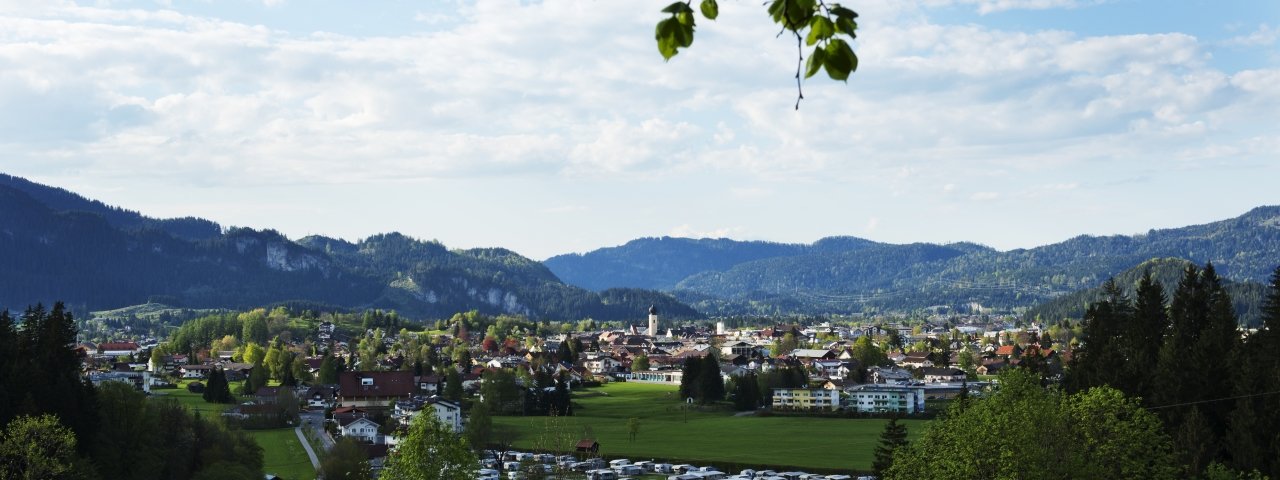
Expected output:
(874, 398)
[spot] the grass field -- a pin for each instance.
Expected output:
(668, 432)
(282, 454)
(194, 401)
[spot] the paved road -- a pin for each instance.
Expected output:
(315, 461)
(313, 421)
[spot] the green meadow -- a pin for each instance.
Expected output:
(281, 451)
(282, 454)
(670, 432)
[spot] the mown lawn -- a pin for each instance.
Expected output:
(282, 454)
(669, 432)
(194, 401)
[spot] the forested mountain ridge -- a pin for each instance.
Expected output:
(866, 276)
(62, 200)
(97, 257)
(1246, 296)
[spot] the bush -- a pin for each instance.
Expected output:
(195, 387)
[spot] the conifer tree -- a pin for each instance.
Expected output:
(1144, 337)
(690, 371)
(1195, 366)
(328, 374)
(453, 386)
(1095, 364)
(710, 381)
(892, 438)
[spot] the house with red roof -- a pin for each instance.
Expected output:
(374, 389)
(118, 349)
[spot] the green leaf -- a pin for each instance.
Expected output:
(660, 30)
(847, 26)
(685, 18)
(816, 59)
(666, 35)
(842, 12)
(777, 10)
(840, 60)
(683, 32)
(820, 28)
(710, 9)
(677, 7)
(798, 13)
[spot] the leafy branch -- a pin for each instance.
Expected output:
(813, 23)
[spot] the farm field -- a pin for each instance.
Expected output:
(282, 454)
(668, 432)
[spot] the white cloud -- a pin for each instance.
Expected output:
(994, 6)
(574, 91)
(687, 231)
(1264, 35)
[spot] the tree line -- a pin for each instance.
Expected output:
(1162, 387)
(58, 425)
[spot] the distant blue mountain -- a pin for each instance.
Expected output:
(56, 245)
(848, 274)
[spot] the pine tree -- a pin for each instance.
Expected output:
(453, 386)
(564, 353)
(1095, 363)
(746, 393)
(689, 373)
(1196, 365)
(1144, 337)
(892, 438)
(710, 381)
(8, 378)
(1251, 437)
(328, 374)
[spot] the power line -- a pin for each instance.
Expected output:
(1214, 400)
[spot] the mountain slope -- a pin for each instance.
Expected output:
(1247, 295)
(660, 263)
(60, 200)
(861, 276)
(104, 257)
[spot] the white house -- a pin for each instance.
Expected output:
(603, 365)
(943, 375)
(361, 429)
(447, 412)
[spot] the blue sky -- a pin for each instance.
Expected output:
(554, 126)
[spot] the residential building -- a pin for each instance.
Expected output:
(359, 428)
(943, 375)
(813, 399)
(447, 412)
(888, 375)
(886, 398)
(374, 389)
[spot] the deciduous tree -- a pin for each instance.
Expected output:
(36, 448)
(432, 451)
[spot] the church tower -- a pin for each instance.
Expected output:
(653, 321)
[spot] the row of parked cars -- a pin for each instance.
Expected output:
(621, 469)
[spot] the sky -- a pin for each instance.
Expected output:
(555, 126)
